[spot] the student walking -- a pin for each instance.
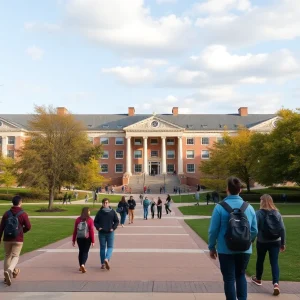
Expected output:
(141, 198)
(270, 238)
(197, 197)
(146, 204)
(86, 198)
(168, 204)
(123, 210)
(233, 241)
(131, 208)
(106, 222)
(14, 224)
(152, 208)
(84, 235)
(159, 208)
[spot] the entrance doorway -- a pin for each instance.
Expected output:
(154, 168)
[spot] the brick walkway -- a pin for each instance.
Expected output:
(150, 256)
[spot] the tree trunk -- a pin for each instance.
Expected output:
(248, 185)
(51, 196)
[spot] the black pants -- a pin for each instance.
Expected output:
(167, 209)
(84, 248)
(152, 213)
(159, 209)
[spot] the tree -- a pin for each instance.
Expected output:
(234, 156)
(279, 153)
(56, 144)
(7, 174)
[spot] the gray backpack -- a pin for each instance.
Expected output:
(82, 230)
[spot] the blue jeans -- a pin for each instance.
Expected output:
(123, 215)
(146, 212)
(233, 268)
(106, 240)
(273, 249)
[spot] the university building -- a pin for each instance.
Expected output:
(135, 144)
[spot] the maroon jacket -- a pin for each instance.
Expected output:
(23, 223)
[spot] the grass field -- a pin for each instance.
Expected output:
(44, 232)
(112, 198)
(188, 198)
(206, 210)
(289, 261)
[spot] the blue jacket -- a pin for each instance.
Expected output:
(219, 223)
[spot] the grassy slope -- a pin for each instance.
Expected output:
(45, 232)
(289, 261)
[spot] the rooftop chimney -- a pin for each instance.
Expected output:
(131, 111)
(61, 111)
(175, 111)
(243, 111)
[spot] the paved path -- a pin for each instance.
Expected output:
(150, 257)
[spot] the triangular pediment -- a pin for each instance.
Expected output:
(153, 124)
(266, 126)
(6, 125)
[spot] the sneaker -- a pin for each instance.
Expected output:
(103, 267)
(122, 225)
(16, 272)
(255, 280)
(107, 266)
(276, 291)
(83, 269)
(7, 277)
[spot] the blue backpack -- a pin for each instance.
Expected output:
(11, 229)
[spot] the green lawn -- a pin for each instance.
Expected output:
(188, 198)
(112, 198)
(273, 191)
(44, 232)
(206, 210)
(71, 209)
(289, 261)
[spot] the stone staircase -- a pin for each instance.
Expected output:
(137, 182)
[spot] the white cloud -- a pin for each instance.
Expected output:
(165, 1)
(35, 53)
(217, 6)
(155, 62)
(131, 75)
(128, 26)
(253, 80)
(49, 27)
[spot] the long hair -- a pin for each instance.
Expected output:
(267, 203)
(85, 213)
(123, 199)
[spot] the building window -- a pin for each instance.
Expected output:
(119, 168)
(104, 168)
(119, 154)
(11, 140)
(190, 154)
(105, 154)
(138, 154)
(104, 141)
(119, 141)
(91, 139)
(137, 168)
(205, 141)
(138, 141)
(170, 154)
(190, 168)
(154, 153)
(190, 141)
(170, 142)
(220, 140)
(154, 141)
(205, 154)
(11, 153)
(170, 168)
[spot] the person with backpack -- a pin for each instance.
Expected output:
(14, 224)
(233, 228)
(84, 235)
(131, 208)
(270, 238)
(152, 208)
(168, 204)
(123, 210)
(146, 204)
(106, 222)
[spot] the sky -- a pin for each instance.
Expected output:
(102, 56)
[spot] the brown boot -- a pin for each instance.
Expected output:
(16, 272)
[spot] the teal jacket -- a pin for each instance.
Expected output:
(219, 223)
(146, 203)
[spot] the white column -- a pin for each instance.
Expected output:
(145, 155)
(163, 155)
(180, 156)
(128, 155)
(4, 146)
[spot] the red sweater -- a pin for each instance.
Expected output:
(24, 224)
(90, 224)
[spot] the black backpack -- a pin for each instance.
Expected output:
(271, 227)
(11, 229)
(238, 234)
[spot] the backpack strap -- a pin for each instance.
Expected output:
(244, 206)
(226, 206)
(19, 213)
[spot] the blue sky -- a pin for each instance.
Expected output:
(101, 56)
